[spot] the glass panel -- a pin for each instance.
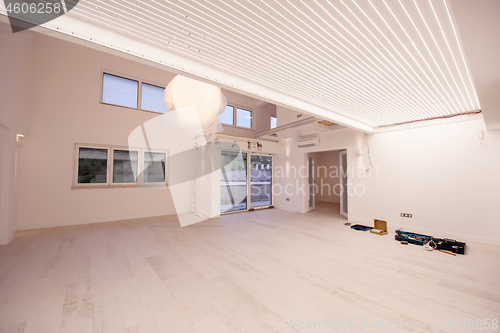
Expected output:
(125, 166)
(243, 118)
(227, 117)
(260, 180)
(233, 182)
(152, 98)
(119, 91)
(92, 165)
(154, 167)
(274, 122)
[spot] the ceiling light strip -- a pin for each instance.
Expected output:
(418, 93)
(432, 100)
(444, 59)
(362, 69)
(443, 108)
(366, 86)
(463, 56)
(408, 92)
(230, 27)
(430, 53)
(348, 97)
(191, 13)
(452, 55)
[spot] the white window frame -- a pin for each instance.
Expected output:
(235, 116)
(139, 91)
(109, 169)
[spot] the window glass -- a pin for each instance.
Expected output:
(152, 98)
(154, 167)
(125, 164)
(274, 122)
(227, 117)
(119, 91)
(244, 118)
(92, 165)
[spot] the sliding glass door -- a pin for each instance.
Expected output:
(233, 182)
(260, 180)
(246, 181)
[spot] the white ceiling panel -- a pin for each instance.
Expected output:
(375, 62)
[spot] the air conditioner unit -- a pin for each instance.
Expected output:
(304, 143)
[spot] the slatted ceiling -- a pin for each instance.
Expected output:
(378, 62)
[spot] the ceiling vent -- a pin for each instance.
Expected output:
(326, 123)
(305, 143)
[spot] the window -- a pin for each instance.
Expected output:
(154, 167)
(152, 98)
(227, 117)
(100, 166)
(92, 165)
(274, 122)
(236, 116)
(244, 118)
(125, 164)
(119, 91)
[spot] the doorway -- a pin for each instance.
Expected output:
(246, 181)
(328, 182)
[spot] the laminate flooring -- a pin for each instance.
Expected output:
(263, 271)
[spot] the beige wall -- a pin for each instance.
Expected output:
(16, 88)
(66, 81)
(327, 176)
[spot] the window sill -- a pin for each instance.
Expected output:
(89, 187)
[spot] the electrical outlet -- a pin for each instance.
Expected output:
(406, 215)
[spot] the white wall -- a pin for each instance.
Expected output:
(66, 91)
(286, 116)
(327, 176)
(16, 87)
(440, 174)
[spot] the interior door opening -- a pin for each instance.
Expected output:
(328, 182)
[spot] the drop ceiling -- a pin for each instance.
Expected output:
(362, 64)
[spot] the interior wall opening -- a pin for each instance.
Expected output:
(328, 182)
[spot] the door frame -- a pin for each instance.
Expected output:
(348, 149)
(249, 189)
(310, 174)
(341, 154)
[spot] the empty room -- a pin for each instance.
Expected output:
(226, 166)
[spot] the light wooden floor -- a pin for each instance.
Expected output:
(265, 271)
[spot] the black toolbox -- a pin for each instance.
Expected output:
(449, 245)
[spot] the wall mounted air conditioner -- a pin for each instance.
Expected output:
(304, 143)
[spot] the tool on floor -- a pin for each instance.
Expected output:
(380, 227)
(453, 254)
(361, 227)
